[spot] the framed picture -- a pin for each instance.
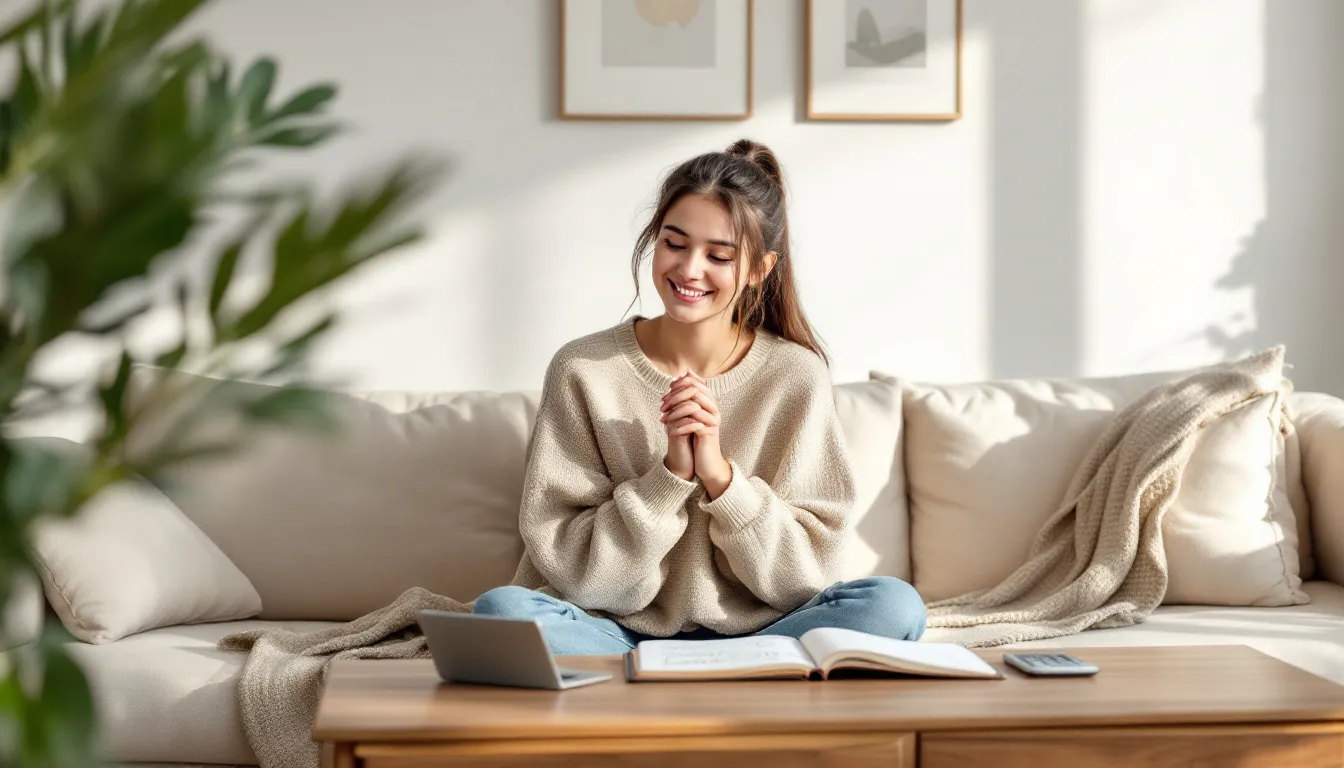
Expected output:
(883, 59)
(655, 59)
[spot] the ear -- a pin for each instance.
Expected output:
(767, 264)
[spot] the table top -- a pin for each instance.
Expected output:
(406, 700)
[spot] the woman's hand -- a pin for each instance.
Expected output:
(689, 409)
(680, 458)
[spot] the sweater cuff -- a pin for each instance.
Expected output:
(739, 504)
(663, 493)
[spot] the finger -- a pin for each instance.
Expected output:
(677, 394)
(688, 427)
(704, 397)
(694, 410)
(680, 396)
(692, 389)
(681, 411)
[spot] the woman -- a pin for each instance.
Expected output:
(686, 474)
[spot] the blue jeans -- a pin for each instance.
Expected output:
(880, 605)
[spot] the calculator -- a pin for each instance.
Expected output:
(1050, 664)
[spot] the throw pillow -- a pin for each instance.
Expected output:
(878, 541)
(130, 561)
(987, 464)
(1230, 535)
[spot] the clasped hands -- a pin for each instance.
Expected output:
(691, 417)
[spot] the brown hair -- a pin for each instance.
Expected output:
(747, 180)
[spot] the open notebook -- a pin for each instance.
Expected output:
(819, 653)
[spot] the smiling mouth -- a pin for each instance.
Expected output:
(687, 294)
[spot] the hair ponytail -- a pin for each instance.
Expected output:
(749, 181)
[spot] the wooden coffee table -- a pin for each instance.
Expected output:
(1214, 705)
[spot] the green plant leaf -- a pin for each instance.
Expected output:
(224, 269)
(298, 406)
(305, 102)
(94, 37)
(113, 396)
(40, 481)
(300, 137)
(218, 108)
(68, 720)
(37, 214)
(256, 87)
(30, 291)
(15, 713)
(27, 98)
(7, 137)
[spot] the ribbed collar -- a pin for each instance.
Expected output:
(720, 385)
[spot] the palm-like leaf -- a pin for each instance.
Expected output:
(114, 148)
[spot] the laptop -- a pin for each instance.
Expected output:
(491, 650)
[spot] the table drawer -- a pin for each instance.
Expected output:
(881, 750)
(1285, 746)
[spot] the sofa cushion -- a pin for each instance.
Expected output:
(1309, 636)
(1319, 419)
(879, 535)
(988, 463)
(129, 560)
(1230, 535)
(169, 695)
(410, 490)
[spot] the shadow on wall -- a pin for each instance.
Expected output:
(1293, 259)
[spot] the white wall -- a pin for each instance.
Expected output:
(1135, 184)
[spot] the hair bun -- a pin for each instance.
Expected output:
(759, 155)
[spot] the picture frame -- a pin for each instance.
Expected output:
(656, 59)
(883, 60)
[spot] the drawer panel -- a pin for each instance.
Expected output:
(1285, 746)
(889, 750)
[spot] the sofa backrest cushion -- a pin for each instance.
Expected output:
(1319, 421)
(988, 463)
(879, 536)
(411, 490)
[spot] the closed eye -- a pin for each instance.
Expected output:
(712, 257)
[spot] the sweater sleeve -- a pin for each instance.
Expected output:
(599, 543)
(782, 534)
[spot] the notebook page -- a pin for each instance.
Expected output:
(947, 657)
(735, 653)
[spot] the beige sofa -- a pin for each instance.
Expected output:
(422, 490)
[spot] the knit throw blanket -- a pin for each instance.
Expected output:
(1098, 562)
(281, 682)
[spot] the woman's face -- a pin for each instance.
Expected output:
(694, 260)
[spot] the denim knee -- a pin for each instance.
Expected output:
(509, 602)
(892, 608)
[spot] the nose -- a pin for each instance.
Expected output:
(694, 268)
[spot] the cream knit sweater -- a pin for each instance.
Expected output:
(607, 527)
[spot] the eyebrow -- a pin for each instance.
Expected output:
(682, 232)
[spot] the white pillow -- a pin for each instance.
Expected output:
(1230, 534)
(130, 561)
(878, 541)
(988, 463)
